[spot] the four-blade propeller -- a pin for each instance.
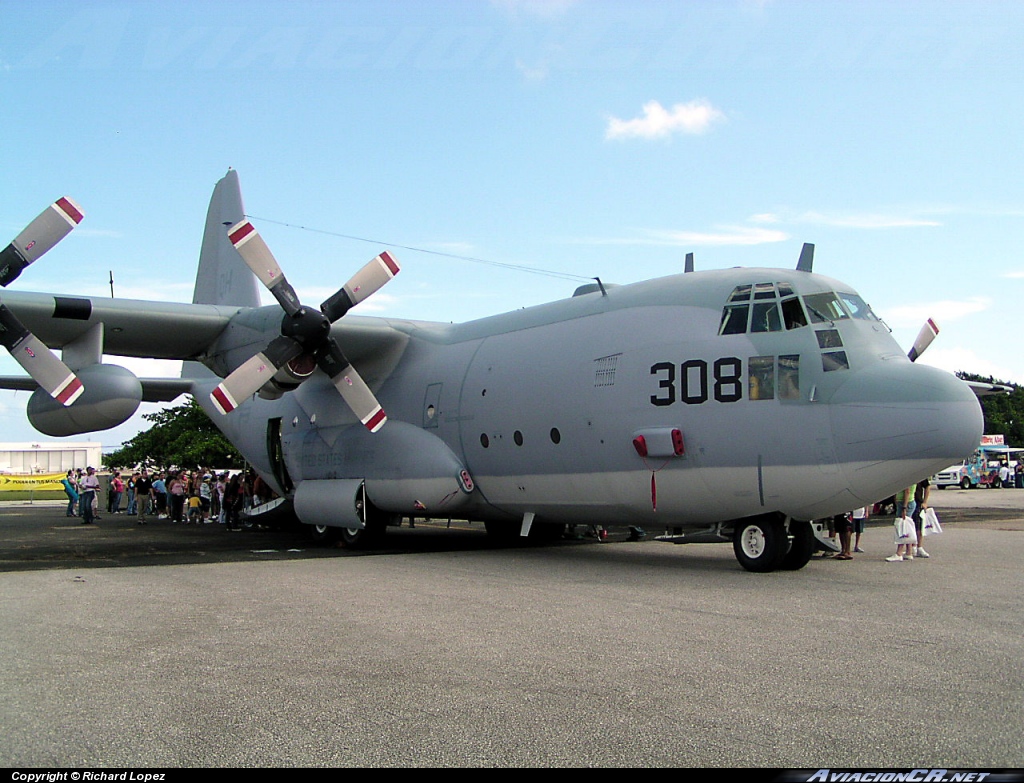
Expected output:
(55, 223)
(304, 332)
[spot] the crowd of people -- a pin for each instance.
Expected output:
(911, 526)
(181, 496)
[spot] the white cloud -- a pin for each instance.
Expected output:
(954, 359)
(942, 311)
(864, 220)
(869, 220)
(693, 118)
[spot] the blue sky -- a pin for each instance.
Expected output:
(579, 137)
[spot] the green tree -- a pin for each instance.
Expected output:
(182, 436)
(1004, 413)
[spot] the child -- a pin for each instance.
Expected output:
(195, 509)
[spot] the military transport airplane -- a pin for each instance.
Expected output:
(730, 405)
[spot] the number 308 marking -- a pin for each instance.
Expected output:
(690, 383)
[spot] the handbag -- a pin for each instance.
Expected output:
(905, 531)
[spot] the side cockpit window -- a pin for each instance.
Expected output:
(825, 308)
(858, 307)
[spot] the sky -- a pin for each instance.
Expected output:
(576, 137)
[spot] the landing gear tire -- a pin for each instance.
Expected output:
(373, 534)
(801, 546)
(760, 544)
(324, 534)
(367, 537)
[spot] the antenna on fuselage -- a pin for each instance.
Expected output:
(806, 262)
(601, 286)
(689, 263)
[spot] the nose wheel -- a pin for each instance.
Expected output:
(760, 543)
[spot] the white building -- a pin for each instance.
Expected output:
(53, 457)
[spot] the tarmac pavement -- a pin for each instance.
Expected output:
(194, 647)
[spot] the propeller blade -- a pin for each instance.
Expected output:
(368, 280)
(53, 224)
(924, 339)
(250, 377)
(37, 360)
(351, 386)
(261, 261)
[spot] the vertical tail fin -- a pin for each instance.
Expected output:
(223, 278)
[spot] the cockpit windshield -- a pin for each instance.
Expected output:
(762, 307)
(858, 307)
(774, 307)
(825, 307)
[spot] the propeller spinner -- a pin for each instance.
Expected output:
(52, 225)
(304, 332)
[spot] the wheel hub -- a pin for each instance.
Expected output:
(752, 541)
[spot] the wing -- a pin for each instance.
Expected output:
(988, 389)
(221, 337)
(131, 327)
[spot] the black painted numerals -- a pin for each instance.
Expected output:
(728, 385)
(690, 384)
(667, 385)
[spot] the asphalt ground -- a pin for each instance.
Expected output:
(172, 646)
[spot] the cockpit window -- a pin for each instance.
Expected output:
(792, 313)
(740, 293)
(824, 308)
(765, 317)
(734, 319)
(762, 307)
(858, 307)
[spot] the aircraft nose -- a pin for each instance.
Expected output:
(899, 422)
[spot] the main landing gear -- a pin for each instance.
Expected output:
(769, 542)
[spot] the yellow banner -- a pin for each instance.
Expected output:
(37, 481)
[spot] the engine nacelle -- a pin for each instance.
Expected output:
(288, 377)
(112, 394)
(404, 468)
